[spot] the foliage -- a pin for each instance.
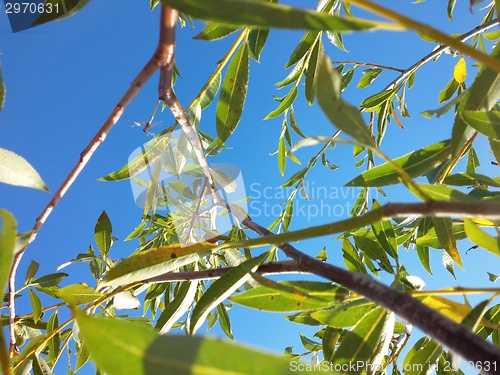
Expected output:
(178, 253)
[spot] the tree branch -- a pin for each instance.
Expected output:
(453, 335)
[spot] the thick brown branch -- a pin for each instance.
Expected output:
(453, 335)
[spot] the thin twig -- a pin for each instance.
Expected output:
(369, 64)
(453, 335)
(462, 38)
(157, 60)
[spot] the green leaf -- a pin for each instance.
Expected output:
(290, 296)
(209, 94)
(214, 31)
(376, 100)
(224, 320)
(282, 155)
(344, 116)
(336, 39)
(451, 6)
(423, 355)
(294, 125)
(313, 71)
(227, 183)
(31, 271)
(132, 348)
(444, 109)
(54, 343)
(7, 244)
(480, 238)
(102, 233)
(470, 179)
(302, 48)
(256, 40)
(36, 305)
(345, 315)
(15, 170)
(149, 153)
(154, 262)
(359, 344)
(384, 231)
(285, 103)
(415, 164)
(329, 342)
(78, 294)
(373, 250)
(430, 238)
(369, 75)
(3, 90)
(263, 14)
(481, 96)
(485, 122)
(52, 279)
(295, 177)
(446, 236)
(233, 94)
(223, 288)
(450, 89)
(293, 76)
(60, 9)
(445, 193)
(352, 259)
(178, 306)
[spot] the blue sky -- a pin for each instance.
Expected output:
(64, 78)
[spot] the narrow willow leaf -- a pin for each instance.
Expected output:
(352, 259)
(282, 155)
(102, 233)
(294, 125)
(360, 344)
(415, 164)
(341, 114)
(485, 122)
(227, 183)
(256, 13)
(451, 309)
(481, 96)
(293, 76)
(346, 78)
(224, 320)
(2, 90)
(430, 238)
(40, 366)
(329, 342)
(154, 262)
(148, 155)
(15, 170)
(223, 288)
(369, 75)
(445, 108)
(78, 294)
(137, 231)
(450, 89)
(290, 296)
(495, 148)
(469, 179)
(303, 318)
(384, 231)
(481, 238)
(297, 176)
(376, 100)
(209, 94)
(336, 39)
(31, 271)
(214, 31)
(423, 355)
(65, 8)
(8, 235)
(36, 305)
(52, 279)
(473, 319)
(302, 48)
(313, 70)
(285, 103)
(54, 343)
(256, 40)
(309, 344)
(182, 189)
(451, 6)
(446, 236)
(445, 193)
(345, 315)
(176, 308)
(132, 348)
(373, 250)
(233, 94)
(460, 71)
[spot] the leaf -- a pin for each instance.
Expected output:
(336, 39)
(52, 279)
(302, 48)
(376, 100)
(423, 355)
(285, 103)
(233, 94)
(78, 294)
(223, 288)
(224, 321)
(282, 155)
(313, 71)
(36, 305)
(384, 231)
(485, 122)
(451, 6)
(290, 296)
(430, 238)
(148, 154)
(54, 343)
(415, 164)
(344, 116)
(256, 40)
(3, 90)
(454, 310)
(445, 108)
(369, 75)
(227, 183)
(345, 315)
(209, 94)
(214, 31)
(15, 170)
(359, 344)
(102, 233)
(132, 348)
(480, 238)
(450, 89)
(373, 250)
(7, 244)
(154, 262)
(446, 236)
(178, 306)
(469, 179)
(445, 193)
(481, 96)
(263, 14)
(460, 71)
(60, 9)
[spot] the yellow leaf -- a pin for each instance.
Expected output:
(454, 310)
(460, 71)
